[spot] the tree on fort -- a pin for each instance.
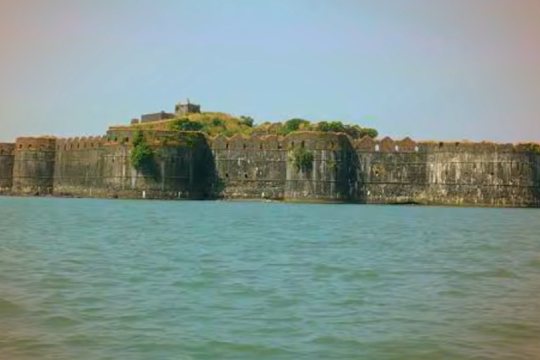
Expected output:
(354, 131)
(141, 154)
(247, 120)
(186, 125)
(293, 125)
(302, 159)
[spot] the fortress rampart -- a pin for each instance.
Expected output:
(33, 166)
(302, 166)
(6, 167)
(379, 171)
(101, 166)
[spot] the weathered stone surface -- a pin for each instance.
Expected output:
(33, 166)
(181, 168)
(188, 165)
(6, 167)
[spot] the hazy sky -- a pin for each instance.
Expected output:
(430, 69)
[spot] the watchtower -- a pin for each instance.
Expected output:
(187, 108)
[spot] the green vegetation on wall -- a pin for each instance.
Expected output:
(247, 120)
(354, 131)
(185, 124)
(296, 124)
(532, 147)
(293, 125)
(209, 123)
(302, 159)
(141, 154)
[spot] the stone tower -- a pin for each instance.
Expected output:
(187, 108)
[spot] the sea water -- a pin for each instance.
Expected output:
(115, 279)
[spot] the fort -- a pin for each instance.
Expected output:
(300, 166)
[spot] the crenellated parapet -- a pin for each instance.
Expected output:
(386, 145)
(7, 149)
(366, 144)
(308, 139)
(80, 143)
(475, 147)
(251, 143)
(318, 140)
(389, 145)
(406, 145)
(122, 136)
(35, 144)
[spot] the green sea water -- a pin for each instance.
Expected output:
(114, 279)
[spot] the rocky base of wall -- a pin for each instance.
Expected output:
(164, 195)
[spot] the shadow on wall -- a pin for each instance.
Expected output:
(188, 167)
(353, 184)
(206, 181)
(321, 167)
(535, 163)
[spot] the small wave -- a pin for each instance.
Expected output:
(191, 284)
(367, 274)
(351, 301)
(60, 321)
(453, 293)
(335, 341)
(9, 308)
(534, 262)
(326, 268)
(511, 330)
(500, 273)
(238, 348)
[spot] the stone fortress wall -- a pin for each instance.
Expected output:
(189, 165)
(7, 152)
(379, 171)
(101, 167)
(33, 165)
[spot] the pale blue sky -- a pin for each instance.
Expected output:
(429, 69)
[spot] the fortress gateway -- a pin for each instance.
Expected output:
(192, 165)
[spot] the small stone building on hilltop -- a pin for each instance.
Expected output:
(187, 108)
(179, 110)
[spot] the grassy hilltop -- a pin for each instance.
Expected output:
(215, 123)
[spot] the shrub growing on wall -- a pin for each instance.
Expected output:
(302, 159)
(186, 125)
(293, 125)
(141, 154)
(247, 120)
(534, 148)
(354, 131)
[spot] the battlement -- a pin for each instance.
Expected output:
(80, 143)
(388, 145)
(35, 144)
(7, 148)
(240, 142)
(477, 147)
(124, 136)
(336, 141)
(309, 139)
